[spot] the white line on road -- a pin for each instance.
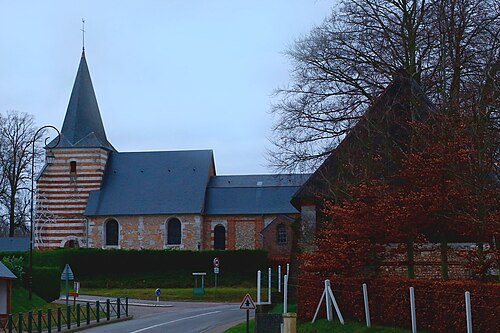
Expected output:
(174, 321)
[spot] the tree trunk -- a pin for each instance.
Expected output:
(12, 215)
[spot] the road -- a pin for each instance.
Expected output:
(184, 317)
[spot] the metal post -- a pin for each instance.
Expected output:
(49, 322)
(269, 271)
(285, 294)
(367, 308)
(107, 309)
(288, 270)
(98, 312)
(468, 313)
(67, 287)
(30, 322)
(32, 222)
(258, 287)
(413, 313)
(279, 278)
(68, 317)
(39, 319)
(126, 306)
(118, 308)
(329, 316)
(78, 309)
(59, 315)
(20, 322)
(248, 321)
(87, 313)
(9, 324)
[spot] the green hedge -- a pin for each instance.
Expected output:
(46, 282)
(89, 262)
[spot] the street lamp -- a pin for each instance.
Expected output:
(49, 159)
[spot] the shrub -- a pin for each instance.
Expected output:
(46, 282)
(15, 264)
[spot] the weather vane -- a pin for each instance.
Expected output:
(83, 33)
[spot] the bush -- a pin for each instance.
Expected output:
(46, 282)
(15, 264)
(440, 305)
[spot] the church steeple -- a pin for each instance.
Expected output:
(83, 125)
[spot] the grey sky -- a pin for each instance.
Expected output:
(168, 75)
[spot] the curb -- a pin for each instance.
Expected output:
(150, 305)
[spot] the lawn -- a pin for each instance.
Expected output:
(221, 294)
(21, 303)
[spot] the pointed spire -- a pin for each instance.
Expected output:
(83, 125)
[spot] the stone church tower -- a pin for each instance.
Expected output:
(74, 167)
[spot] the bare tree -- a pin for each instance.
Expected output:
(17, 131)
(447, 46)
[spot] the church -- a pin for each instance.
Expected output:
(91, 195)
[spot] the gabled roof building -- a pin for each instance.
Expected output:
(91, 195)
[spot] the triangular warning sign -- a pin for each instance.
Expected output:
(247, 303)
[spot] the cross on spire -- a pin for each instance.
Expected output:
(83, 34)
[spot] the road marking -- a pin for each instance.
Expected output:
(174, 321)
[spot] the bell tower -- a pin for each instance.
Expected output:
(75, 167)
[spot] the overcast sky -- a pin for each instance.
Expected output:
(168, 75)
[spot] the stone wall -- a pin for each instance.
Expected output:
(146, 231)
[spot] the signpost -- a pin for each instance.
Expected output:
(216, 270)
(67, 274)
(157, 293)
(248, 305)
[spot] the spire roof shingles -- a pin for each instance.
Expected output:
(83, 125)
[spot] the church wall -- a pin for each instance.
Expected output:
(146, 231)
(242, 231)
(62, 195)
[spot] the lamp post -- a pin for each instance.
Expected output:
(30, 281)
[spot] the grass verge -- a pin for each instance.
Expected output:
(242, 327)
(235, 294)
(21, 303)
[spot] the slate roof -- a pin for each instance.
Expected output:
(401, 102)
(83, 125)
(142, 183)
(252, 194)
(14, 244)
(5, 272)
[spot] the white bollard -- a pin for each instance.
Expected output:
(468, 313)
(413, 313)
(288, 270)
(329, 315)
(367, 308)
(269, 285)
(258, 287)
(279, 278)
(285, 294)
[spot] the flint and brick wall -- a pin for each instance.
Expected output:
(427, 259)
(146, 231)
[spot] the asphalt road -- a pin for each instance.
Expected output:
(183, 317)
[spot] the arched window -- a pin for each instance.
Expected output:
(219, 237)
(173, 231)
(281, 237)
(112, 233)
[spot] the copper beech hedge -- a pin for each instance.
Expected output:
(440, 305)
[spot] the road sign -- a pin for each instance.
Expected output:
(216, 262)
(216, 270)
(157, 292)
(67, 273)
(247, 303)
